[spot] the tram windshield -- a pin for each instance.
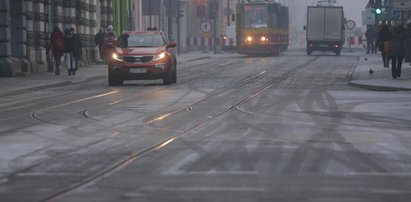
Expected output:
(255, 16)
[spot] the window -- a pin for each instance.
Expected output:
(141, 40)
(255, 16)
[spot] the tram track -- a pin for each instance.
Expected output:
(237, 85)
(167, 141)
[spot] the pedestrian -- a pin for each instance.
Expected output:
(69, 43)
(382, 41)
(109, 44)
(77, 49)
(99, 40)
(370, 35)
(110, 30)
(57, 47)
(397, 49)
(408, 42)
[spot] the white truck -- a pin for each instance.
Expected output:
(325, 29)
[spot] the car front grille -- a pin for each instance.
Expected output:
(138, 59)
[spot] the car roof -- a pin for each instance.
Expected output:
(142, 32)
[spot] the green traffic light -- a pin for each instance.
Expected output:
(378, 11)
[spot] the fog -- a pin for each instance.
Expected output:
(298, 15)
(352, 9)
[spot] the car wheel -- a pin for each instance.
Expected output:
(174, 80)
(112, 81)
(167, 80)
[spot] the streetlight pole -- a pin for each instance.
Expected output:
(169, 20)
(228, 13)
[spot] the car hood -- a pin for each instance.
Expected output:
(140, 51)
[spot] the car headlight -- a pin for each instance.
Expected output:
(160, 56)
(117, 57)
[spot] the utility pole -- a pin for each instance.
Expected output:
(180, 14)
(213, 12)
(169, 20)
(228, 13)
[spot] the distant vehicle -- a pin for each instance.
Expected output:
(230, 39)
(325, 29)
(261, 28)
(142, 55)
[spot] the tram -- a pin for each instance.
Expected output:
(261, 27)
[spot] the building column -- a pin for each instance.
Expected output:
(5, 37)
(93, 29)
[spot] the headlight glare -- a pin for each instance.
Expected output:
(249, 39)
(117, 57)
(160, 56)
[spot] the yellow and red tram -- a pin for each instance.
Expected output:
(261, 27)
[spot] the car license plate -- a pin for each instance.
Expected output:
(137, 70)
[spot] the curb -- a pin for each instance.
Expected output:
(51, 85)
(377, 88)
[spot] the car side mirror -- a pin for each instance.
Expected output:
(305, 27)
(171, 45)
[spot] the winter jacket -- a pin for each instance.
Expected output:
(56, 44)
(370, 34)
(383, 35)
(397, 41)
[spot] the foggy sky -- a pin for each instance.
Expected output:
(353, 9)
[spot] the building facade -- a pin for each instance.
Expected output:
(25, 27)
(182, 19)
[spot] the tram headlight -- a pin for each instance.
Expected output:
(249, 39)
(264, 39)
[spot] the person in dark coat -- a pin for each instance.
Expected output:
(76, 48)
(371, 36)
(408, 42)
(397, 49)
(57, 47)
(69, 59)
(99, 40)
(383, 36)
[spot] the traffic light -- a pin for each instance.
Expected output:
(180, 13)
(378, 9)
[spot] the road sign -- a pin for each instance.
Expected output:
(205, 27)
(368, 17)
(401, 4)
(350, 24)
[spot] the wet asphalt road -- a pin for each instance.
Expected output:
(243, 129)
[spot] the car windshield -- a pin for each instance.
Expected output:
(141, 40)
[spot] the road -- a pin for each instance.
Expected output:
(235, 128)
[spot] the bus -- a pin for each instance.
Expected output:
(261, 27)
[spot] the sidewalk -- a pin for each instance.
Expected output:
(381, 79)
(37, 81)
